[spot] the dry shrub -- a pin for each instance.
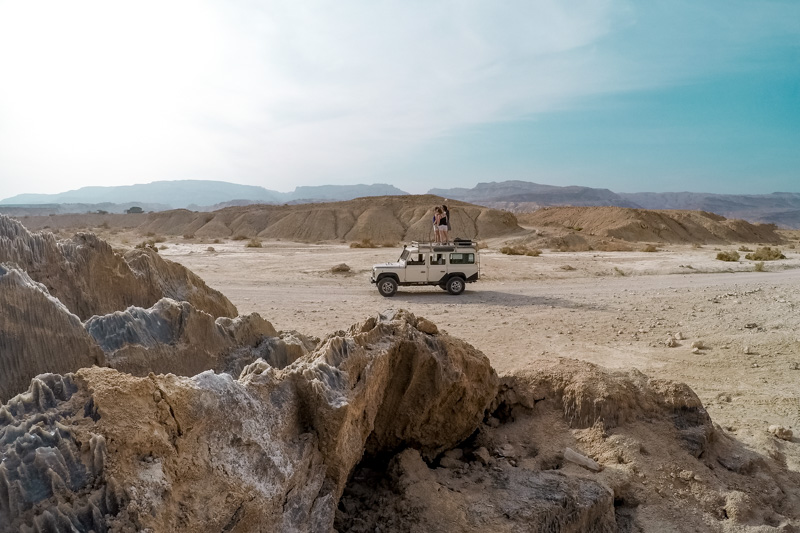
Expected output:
(150, 234)
(211, 249)
(745, 249)
(765, 254)
(104, 225)
(388, 245)
(612, 246)
(732, 255)
(520, 249)
(159, 238)
(365, 243)
(216, 241)
(567, 267)
(649, 248)
(697, 245)
(253, 243)
(188, 235)
(163, 247)
(340, 268)
(618, 271)
(759, 267)
(239, 237)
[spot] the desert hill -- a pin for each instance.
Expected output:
(642, 225)
(382, 219)
(379, 219)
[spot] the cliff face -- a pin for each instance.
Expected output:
(91, 279)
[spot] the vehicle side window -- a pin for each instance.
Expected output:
(438, 260)
(418, 260)
(462, 259)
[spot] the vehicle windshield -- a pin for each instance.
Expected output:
(404, 255)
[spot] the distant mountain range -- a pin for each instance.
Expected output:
(526, 192)
(782, 208)
(198, 193)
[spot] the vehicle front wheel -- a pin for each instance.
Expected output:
(455, 286)
(387, 286)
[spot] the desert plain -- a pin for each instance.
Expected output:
(614, 309)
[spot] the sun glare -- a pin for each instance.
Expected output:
(104, 78)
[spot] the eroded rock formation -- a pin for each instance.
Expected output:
(37, 334)
(91, 279)
(175, 337)
(270, 451)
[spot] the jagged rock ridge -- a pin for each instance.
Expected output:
(91, 279)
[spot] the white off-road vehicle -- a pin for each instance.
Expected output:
(450, 266)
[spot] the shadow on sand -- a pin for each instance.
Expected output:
(488, 298)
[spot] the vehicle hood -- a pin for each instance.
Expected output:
(396, 264)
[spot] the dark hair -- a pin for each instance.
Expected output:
(445, 207)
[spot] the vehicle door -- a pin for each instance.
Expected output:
(438, 266)
(416, 268)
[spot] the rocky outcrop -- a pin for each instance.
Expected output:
(592, 396)
(175, 337)
(91, 279)
(272, 451)
(37, 334)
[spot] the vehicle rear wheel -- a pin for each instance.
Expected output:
(387, 286)
(455, 285)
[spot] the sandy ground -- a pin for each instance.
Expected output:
(615, 309)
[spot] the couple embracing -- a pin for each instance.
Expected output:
(441, 224)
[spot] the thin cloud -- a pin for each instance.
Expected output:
(286, 93)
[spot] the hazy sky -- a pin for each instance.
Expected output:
(646, 95)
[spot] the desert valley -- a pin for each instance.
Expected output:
(613, 369)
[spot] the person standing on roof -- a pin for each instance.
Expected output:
(437, 215)
(444, 225)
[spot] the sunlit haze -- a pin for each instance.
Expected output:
(629, 95)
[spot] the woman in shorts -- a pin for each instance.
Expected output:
(444, 237)
(437, 215)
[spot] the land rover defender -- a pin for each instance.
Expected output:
(450, 266)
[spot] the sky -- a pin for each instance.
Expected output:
(630, 95)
